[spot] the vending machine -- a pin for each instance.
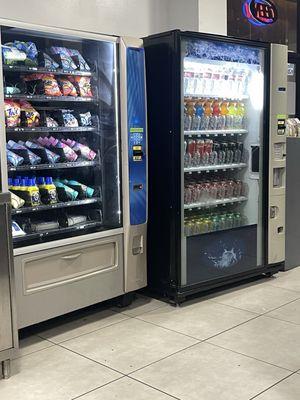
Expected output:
(74, 158)
(217, 144)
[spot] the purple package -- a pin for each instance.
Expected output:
(82, 149)
(69, 153)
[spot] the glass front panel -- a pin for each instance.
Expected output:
(223, 86)
(62, 136)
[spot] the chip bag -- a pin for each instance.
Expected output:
(49, 84)
(32, 117)
(67, 87)
(83, 84)
(12, 112)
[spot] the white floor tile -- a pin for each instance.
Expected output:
(267, 339)
(288, 389)
(210, 373)
(53, 374)
(257, 297)
(140, 305)
(289, 312)
(200, 319)
(129, 345)
(32, 344)
(288, 280)
(126, 389)
(77, 327)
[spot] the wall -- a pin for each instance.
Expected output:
(213, 16)
(118, 17)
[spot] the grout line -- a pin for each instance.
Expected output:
(86, 333)
(246, 355)
(142, 313)
(280, 287)
(275, 384)
(161, 359)
(98, 387)
(35, 351)
(281, 319)
(91, 359)
(153, 387)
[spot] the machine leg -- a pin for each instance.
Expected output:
(125, 300)
(6, 369)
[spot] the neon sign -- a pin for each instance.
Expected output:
(260, 12)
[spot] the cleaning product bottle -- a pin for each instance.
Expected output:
(33, 192)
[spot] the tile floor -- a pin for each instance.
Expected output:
(237, 344)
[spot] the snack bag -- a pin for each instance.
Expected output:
(51, 123)
(51, 157)
(50, 86)
(65, 59)
(83, 65)
(84, 85)
(32, 117)
(85, 119)
(69, 119)
(12, 112)
(13, 159)
(82, 149)
(29, 48)
(11, 55)
(67, 87)
(46, 61)
(17, 147)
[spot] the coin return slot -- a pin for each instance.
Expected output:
(278, 177)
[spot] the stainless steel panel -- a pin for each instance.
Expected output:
(49, 294)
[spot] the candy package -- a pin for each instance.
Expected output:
(22, 150)
(63, 57)
(51, 123)
(30, 115)
(46, 61)
(69, 119)
(81, 149)
(52, 158)
(42, 84)
(83, 84)
(67, 87)
(76, 55)
(12, 112)
(85, 119)
(13, 159)
(11, 55)
(51, 142)
(16, 201)
(29, 48)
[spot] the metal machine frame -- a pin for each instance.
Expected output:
(8, 328)
(104, 282)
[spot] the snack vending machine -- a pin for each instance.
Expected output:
(217, 115)
(74, 133)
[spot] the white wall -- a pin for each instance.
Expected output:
(213, 16)
(118, 17)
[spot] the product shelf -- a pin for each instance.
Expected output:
(44, 207)
(216, 132)
(45, 129)
(215, 96)
(212, 203)
(222, 167)
(77, 164)
(26, 69)
(45, 98)
(41, 235)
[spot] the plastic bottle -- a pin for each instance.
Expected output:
(197, 118)
(33, 191)
(231, 116)
(241, 114)
(47, 190)
(224, 114)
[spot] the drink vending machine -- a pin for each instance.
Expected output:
(73, 157)
(217, 144)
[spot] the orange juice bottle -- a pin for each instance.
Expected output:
(224, 114)
(208, 113)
